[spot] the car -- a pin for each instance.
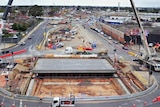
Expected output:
(125, 48)
(30, 37)
(22, 43)
(105, 35)
(110, 38)
(150, 45)
(116, 42)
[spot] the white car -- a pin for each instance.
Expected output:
(110, 38)
(23, 43)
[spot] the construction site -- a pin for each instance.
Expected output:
(82, 75)
(34, 77)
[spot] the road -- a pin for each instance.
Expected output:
(36, 38)
(105, 44)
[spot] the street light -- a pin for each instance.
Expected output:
(115, 57)
(150, 73)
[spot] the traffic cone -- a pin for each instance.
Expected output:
(134, 105)
(13, 105)
(2, 104)
(145, 103)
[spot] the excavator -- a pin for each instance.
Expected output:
(149, 57)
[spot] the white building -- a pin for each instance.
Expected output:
(117, 19)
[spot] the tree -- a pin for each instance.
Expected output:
(35, 11)
(53, 11)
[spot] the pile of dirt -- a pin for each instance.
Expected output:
(85, 82)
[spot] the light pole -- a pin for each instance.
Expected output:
(115, 58)
(149, 78)
(45, 35)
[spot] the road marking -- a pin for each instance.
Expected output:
(20, 103)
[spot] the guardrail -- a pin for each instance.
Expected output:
(14, 53)
(24, 97)
(5, 92)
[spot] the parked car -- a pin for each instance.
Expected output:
(125, 48)
(116, 42)
(110, 38)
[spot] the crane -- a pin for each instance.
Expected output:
(4, 17)
(147, 57)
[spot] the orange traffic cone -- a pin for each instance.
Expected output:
(2, 104)
(13, 105)
(145, 103)
(134, 105)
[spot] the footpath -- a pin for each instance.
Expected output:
(6, 45)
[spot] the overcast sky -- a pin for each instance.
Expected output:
(138, 3)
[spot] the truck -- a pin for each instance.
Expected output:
(70, 50)
(63, 102)
(147, 57)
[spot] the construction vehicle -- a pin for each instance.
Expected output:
(63, 102)
(4, 17)
(148, 58)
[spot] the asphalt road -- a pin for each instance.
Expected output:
(37, 36)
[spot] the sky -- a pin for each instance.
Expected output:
(138, 3)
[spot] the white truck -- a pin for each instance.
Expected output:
(70, 50)
(63, 102)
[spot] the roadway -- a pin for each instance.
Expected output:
(37, 36)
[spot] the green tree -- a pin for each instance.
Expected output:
(19, 26)
(35, 11)
(53, 11)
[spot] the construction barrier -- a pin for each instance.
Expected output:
(14, 53)
(49, 55)
(132, 53)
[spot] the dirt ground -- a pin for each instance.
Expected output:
(78, 87)
(2, 81)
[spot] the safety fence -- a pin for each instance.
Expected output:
(13, 53)
(5, 92)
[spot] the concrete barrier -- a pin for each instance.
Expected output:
(14, 53)
(5, 92)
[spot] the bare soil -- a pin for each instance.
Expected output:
(78, 87)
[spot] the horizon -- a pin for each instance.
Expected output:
(89, 3)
